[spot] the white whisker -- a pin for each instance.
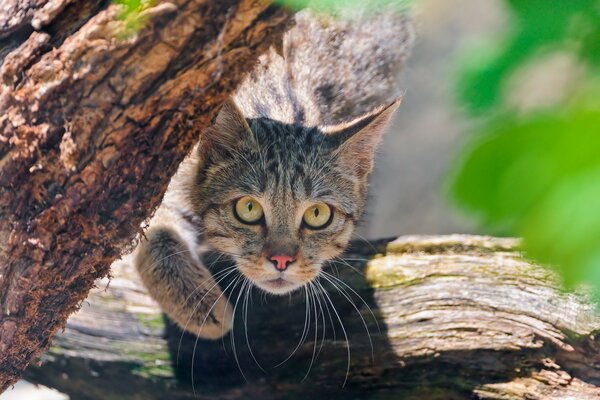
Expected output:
(304, 329)
(202, 325)
(317, 296)
(360, 297)
(312, 360)
(343, 329)
(338, 259)
(366, 241)
(347, 297)
(245, 308)
(226, 273)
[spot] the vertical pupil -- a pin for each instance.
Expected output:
(316, 212)
(250, 206)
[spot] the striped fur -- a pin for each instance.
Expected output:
(303, 128)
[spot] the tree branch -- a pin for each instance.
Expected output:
(458, 317)
(94, 120)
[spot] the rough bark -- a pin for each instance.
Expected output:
(459, 317)
(96, 112)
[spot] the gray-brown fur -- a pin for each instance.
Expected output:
(303, 128)
(331, 70)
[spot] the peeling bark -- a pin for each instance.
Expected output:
(94, 119)
(459, 317)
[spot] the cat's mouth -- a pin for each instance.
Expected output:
(278, 285)
(265, 277)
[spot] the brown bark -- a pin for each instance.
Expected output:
(459, 317)
(94, 119)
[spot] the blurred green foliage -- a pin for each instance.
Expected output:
(539, 178)
(132, 14)
(537, 25)
(536, 173)
(335, 5)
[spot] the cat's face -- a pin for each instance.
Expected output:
(283, 199)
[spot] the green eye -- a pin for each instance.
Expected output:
(248, 210)
(317, 216)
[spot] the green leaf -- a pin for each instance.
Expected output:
(539, 178)
(564, 229)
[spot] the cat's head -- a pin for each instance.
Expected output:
(282, 199)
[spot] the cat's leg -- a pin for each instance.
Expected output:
(176, 278)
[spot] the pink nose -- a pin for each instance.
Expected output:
(281, 262)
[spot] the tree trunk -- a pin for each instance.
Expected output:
(97, 109)
(458, 317)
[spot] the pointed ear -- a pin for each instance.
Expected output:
(228, 131)
(357, 140)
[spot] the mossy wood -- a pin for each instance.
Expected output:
(97, 109)
(453, 317)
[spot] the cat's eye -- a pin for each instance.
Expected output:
(248, 210)
(317, 216)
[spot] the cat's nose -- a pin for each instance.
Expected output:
(281, 262)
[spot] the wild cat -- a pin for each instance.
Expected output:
(279, 181)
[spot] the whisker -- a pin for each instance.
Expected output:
(366, 241)
(338, 259)
(227, 272)
(304, 329)
(361, 299)
(213, 276)
(216, 260)
(243, 157)
(322, 313)
(343, 330)
(168, 256)
(232, 336)
(312, 360)
(327, 309)
(263, 298)
(312, 164)
(333, 265)
(202, 325)
(345, 295)
(245, 307)
(227, 253)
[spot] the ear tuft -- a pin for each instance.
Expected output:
(357, 140)
(230, 128)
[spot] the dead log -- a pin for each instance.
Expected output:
(97, 109)
(458, 317)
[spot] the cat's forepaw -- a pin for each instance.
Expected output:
(183, 287)
(212, 324)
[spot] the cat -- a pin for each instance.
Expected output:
(279, 181)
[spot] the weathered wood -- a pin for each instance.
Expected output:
(459, 317)
(94, 119)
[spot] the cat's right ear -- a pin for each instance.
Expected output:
(357, 140)
(228, 132)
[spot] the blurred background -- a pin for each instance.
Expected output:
(407, 193)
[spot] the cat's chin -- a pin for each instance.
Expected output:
(278, 286)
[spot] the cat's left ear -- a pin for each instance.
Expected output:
(228, 131)
(357, 140)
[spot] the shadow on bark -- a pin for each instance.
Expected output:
(459, 317)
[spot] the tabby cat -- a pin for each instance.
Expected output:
(279, 181)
